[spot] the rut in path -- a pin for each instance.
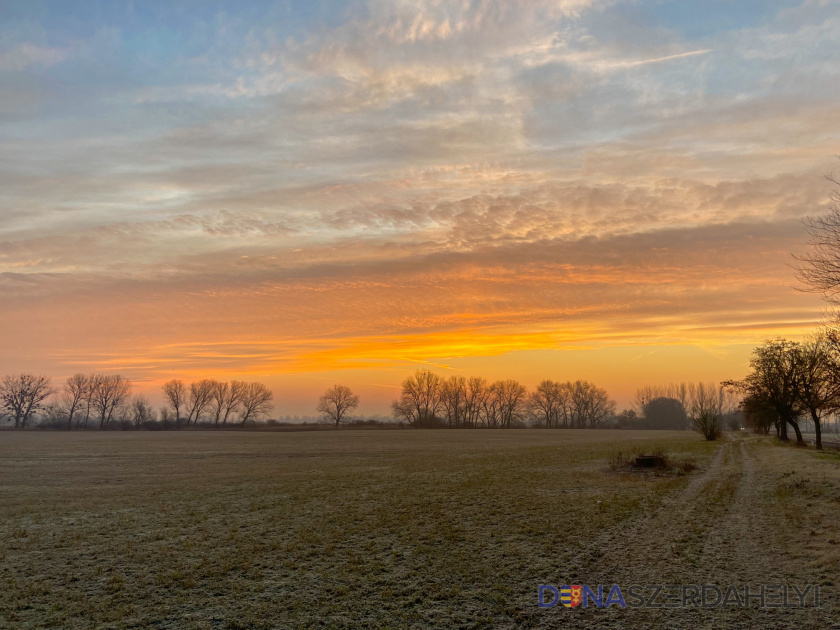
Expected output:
(713, 531)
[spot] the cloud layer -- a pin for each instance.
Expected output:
(269, 190)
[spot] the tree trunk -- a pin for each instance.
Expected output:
(817, 428)
(799, 440)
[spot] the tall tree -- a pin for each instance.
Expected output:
(774, 379)
(454, 395)
(420, 398)
(256, 401)
(707, 405)
(511, 396)
(337, 402)
(176, 393)
(545, 403)
(76, 392)
(110, 393)
(819, 269)
(22, 395)
(819, 379)
(199, 399)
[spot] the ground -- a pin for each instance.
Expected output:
(403, 529)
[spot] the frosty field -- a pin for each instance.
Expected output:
(401, 529)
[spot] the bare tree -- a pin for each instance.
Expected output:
(109, 394)
(819, 269)
(478, 393)
(511, 397)
(454, 395)
(819, 378)
(545, 403)
(166, 416)
(420, 398)
(141, 411)
(22, 395)
(707, 405)
(336, 402)
(232, 399)
(591, 405)
(256, 401)
(76, 393)
(199, 399)
(176, 393)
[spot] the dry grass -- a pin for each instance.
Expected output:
(390, 529)
(385, 529)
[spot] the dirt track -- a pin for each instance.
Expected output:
(760, 514)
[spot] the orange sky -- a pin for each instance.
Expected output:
(606, 191)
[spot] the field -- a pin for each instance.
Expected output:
(402, 529)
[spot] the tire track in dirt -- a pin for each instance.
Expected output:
(712, 531)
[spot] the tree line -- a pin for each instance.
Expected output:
(103, 401)
(429, 401)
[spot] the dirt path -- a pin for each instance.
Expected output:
(726, 527)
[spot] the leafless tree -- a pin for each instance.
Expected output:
(478, 394)
(76, 394)
(819, 270)
(226, 399)
(511, 397)
(545, 403)
(420, 398)
(336, 402)
(109, 394)
(22, 395)
(199, 399)
(141, 411)
(454, 396)
(707, 405)
(255, 401)
(166, 416)
(819, 378)
(581, 405)
(176, 393)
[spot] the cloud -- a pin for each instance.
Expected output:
(27, 55)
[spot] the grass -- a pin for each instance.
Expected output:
(382, 529)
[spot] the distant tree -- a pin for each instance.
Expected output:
(76, 394)
(758, 414)
(166, 417)
(22, 395)
(774, 380)
(199, 399)
(109, 393)
(336, 402)
(627, 419)
(545, 403)
(818, 375)
(255, 401)
(478, 393)
(583, 405)
(676, 391)
(664, 413)
(708, 404)
(420, 399)
(141, 411)
(454, 397)
(511, 397)
(176, 393)
(819, 270)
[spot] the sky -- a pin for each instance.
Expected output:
(309, 193)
